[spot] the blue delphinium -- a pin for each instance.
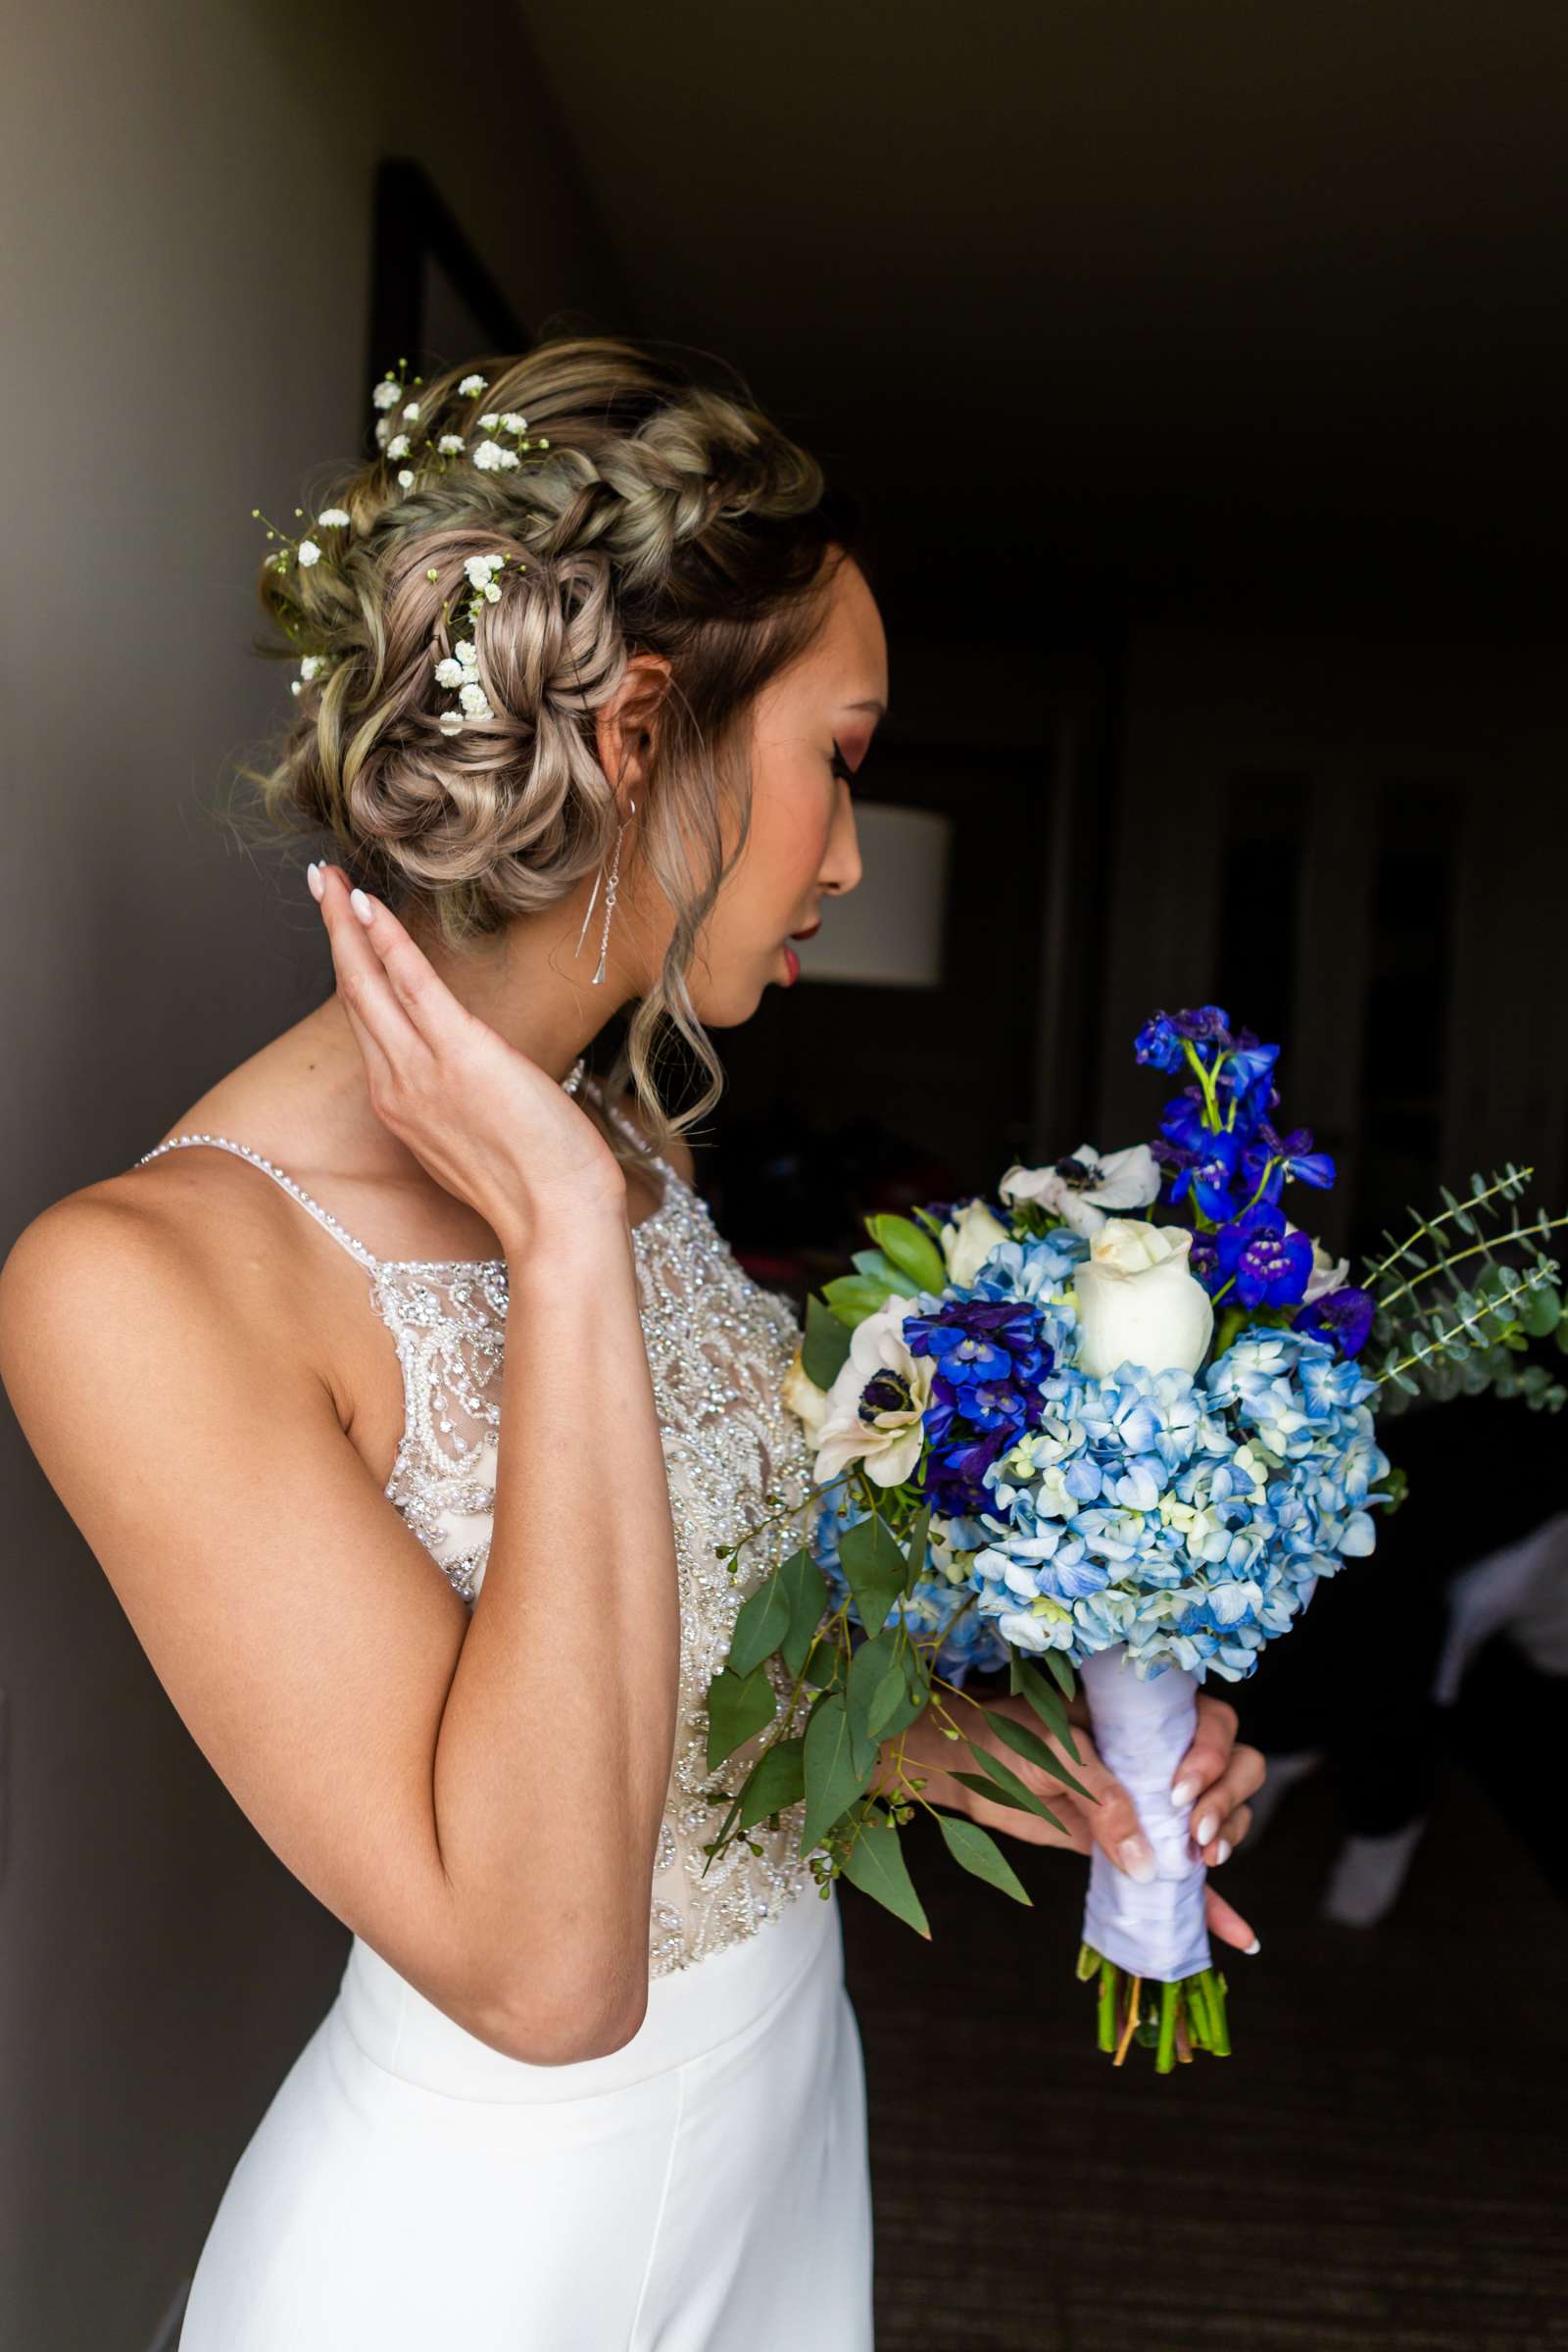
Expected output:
(991, 1355)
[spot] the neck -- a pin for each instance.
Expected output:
(522, 984)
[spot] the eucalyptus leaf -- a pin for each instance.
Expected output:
(837, 1771)
(914, 1548)
(805, 1587)
(777, 1778)
(979, 1854)
(1060, 1672)
(760, 1625)
(1031, 1684)
(1002, 1784)
(875, 1864)
(1025, 1742)
(870, 1668)
(874, 1568)
(737, 1706)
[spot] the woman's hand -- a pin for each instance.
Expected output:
(1212, 1782)
(490, 1125)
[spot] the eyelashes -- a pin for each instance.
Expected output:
(840, 766)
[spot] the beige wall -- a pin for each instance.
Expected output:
(187, 191)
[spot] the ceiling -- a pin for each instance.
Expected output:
(1164, 301)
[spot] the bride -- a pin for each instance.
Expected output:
(586, 661)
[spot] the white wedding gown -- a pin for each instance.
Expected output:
(705, 2188)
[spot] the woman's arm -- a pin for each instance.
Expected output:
(552, 1758)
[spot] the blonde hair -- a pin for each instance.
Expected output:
(668, 517)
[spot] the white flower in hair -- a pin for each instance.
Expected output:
(481, 569)
(405, 479)
(472, 386)
(333, 518)
(490, 457)
(309, 552)
(312, 665)
(512, 422)
(294, 686)
(451, 723)
(398, 446)
(488, 421)
(468, 653)
(451, 445)
(387, 393)
(412, 410)
(471, 695)
(450, 674)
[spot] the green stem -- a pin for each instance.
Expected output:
(1165, 2052)
(1444, 1338)
(1499, 1241)
(1214, 1987)
(1109, 1990)
(1516, 1180)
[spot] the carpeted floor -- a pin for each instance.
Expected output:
(1381, 2164)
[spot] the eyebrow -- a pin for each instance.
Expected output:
(879, 708)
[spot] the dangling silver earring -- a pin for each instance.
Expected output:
(610, 895)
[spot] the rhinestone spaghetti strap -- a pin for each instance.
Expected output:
(322, 1216)
(718, 1347)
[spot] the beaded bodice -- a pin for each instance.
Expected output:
(718, 1348)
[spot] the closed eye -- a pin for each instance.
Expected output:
(840, 766)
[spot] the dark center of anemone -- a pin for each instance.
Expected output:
(886, 1392)
(1078, 1174)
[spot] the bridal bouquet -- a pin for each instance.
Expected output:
(1114, 1421)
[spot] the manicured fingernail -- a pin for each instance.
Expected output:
(1222, 1851)
(1204, 1829)
(314, 878)
(1253, 1946)
(360, 905)
(1137, 1858)
(1183, 1795)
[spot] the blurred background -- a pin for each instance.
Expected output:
(1205, 371)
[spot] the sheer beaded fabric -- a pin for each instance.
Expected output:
(718, 1348)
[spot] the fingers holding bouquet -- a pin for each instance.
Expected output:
(1088, 1806)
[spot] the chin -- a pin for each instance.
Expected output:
(728, 1005)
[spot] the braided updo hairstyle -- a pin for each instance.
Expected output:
(668, 517)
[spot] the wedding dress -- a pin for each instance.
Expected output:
(704, 2189)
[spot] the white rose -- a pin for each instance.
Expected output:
(802, 1395)
(884, 1430)
(1137, 1302)
(968, 1239)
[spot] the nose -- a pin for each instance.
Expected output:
(841, 868)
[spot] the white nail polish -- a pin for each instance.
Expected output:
(313, 877)
(1183, 1795)
(361, 905)
(1136, 1860)
(1253, 1946)
(1204, 1829)
(1222, 1851)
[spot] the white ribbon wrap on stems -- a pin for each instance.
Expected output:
(1142, 1731)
